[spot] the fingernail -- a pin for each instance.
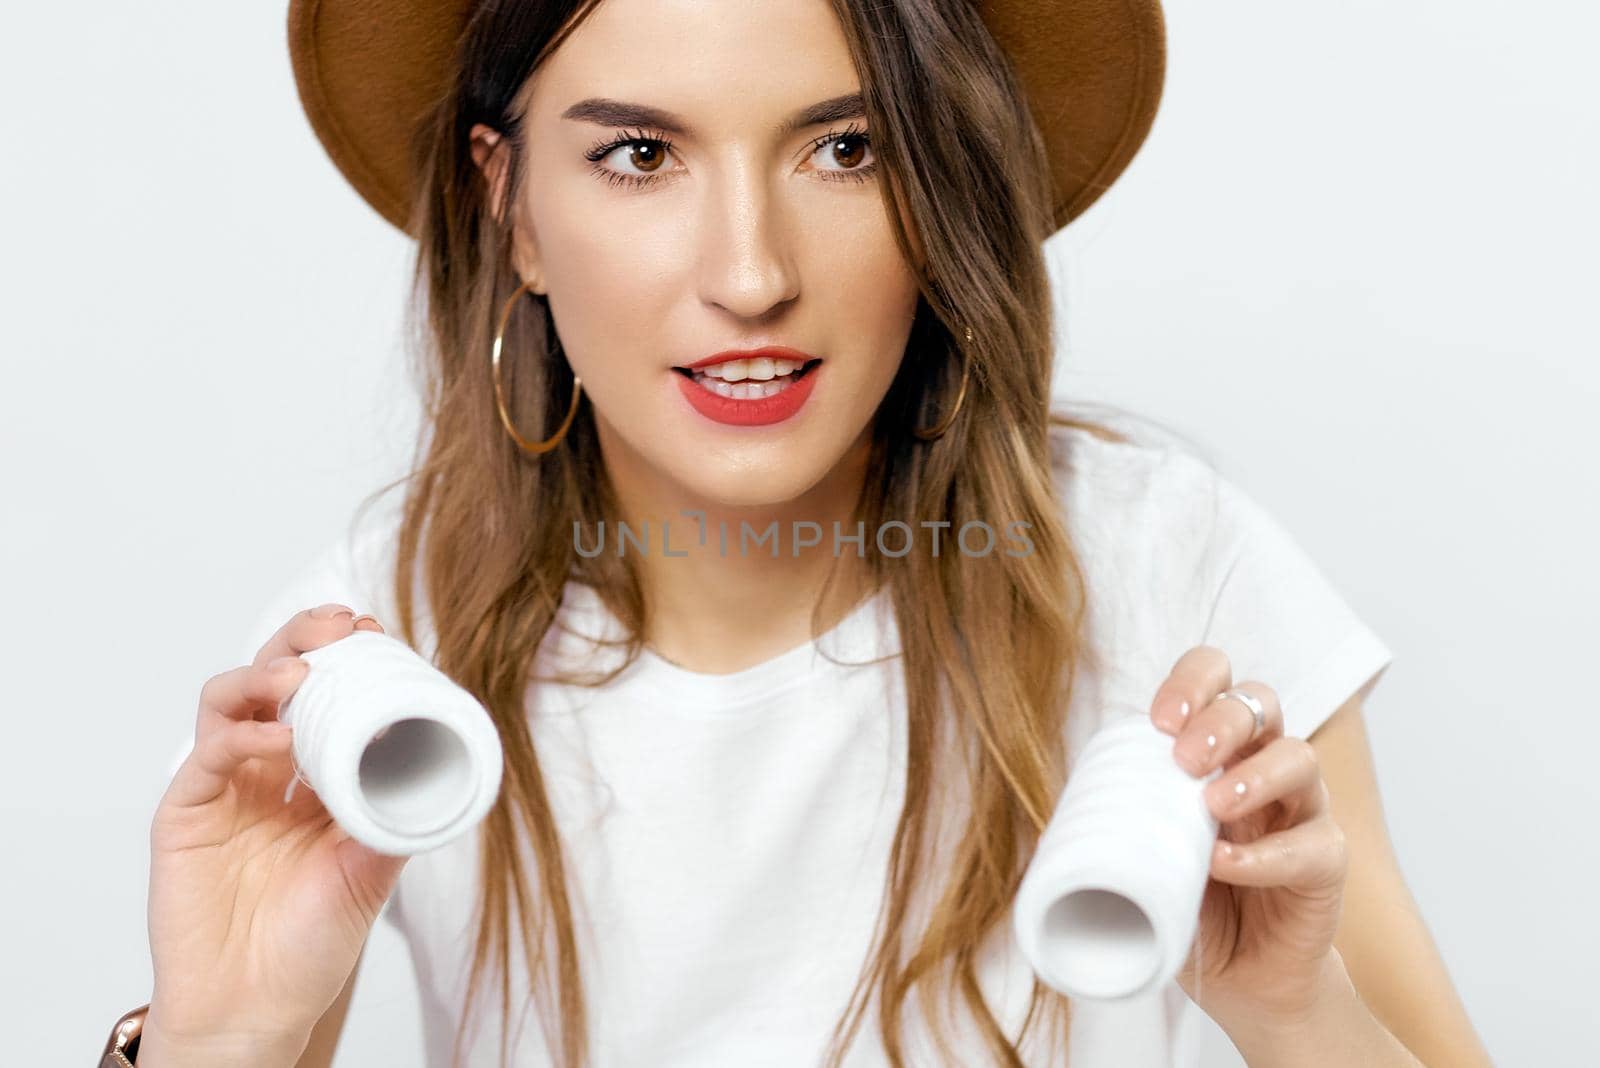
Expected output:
(364, 618)
(1227, 795)
(330, 611)
(1172, 721)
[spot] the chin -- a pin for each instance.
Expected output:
(754, 468)
(755, 486)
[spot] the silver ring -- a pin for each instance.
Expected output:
(1258, 714)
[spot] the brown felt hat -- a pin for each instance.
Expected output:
(366, 71)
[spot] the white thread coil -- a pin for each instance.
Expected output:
(1109, 905)
(402, 757)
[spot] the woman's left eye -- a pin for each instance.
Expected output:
(849, 148)
(646, 157)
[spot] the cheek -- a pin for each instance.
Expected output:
(872, 299)
(609, 300)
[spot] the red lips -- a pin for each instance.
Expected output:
(753, 411)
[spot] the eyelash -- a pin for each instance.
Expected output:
(637, 136)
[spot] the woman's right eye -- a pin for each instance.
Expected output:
(636, 159)
(645, 155)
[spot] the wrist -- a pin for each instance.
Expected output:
(161, 1046)
(1330, 1022)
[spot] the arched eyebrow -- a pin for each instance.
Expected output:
(606, 112)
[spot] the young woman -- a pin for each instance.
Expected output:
(764, 282)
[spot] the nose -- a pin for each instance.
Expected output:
(747, 252)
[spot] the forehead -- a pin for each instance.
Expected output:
(721, 65)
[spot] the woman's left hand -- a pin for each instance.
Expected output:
(1271, 905)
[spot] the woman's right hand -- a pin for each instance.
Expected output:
(258, 907)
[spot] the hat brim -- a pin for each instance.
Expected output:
(368, 70)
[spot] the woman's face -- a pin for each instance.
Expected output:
(711, 224)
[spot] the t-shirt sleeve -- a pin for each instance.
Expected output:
(328, 576)
(1277, 616)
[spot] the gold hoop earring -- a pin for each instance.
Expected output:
(536, 448)
(961, 394)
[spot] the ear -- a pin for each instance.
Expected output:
(492, 156)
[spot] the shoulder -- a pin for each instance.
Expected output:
(354, 567)
(1176, 554)
(1142, 488)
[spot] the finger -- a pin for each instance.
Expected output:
(1222, 729)
(1198, 676)
(212, 763)
(307, 630)
(248, 692)
(1307, 856)
(1285, 770)
(368, 622)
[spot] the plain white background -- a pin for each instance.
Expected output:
(1353, 265)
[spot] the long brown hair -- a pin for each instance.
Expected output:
(990, 643)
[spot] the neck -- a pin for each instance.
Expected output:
(713, 609)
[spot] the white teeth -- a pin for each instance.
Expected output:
(743, 390)
(748, 379)
(758, 368)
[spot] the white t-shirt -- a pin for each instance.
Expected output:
(728, 835)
